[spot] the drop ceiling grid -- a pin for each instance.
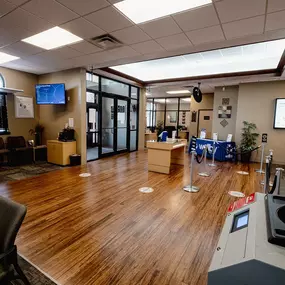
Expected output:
(272, 6)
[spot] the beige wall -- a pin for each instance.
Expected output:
(54, 117)
(207, 103)
(25, 81)
(256, 105)
(232, 94)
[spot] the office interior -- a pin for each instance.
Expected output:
(97, 177)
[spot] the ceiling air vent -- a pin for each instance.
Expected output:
(106, 42)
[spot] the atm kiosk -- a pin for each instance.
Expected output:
(251, 249)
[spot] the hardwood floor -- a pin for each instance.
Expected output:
(102, 230)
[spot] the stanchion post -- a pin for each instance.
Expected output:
(190, 188)
(204, 174)
(261, 161)
(278, 182)
(213, 155)
(267, 174)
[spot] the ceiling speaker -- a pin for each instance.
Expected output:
(197, 94)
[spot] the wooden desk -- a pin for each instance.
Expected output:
(150, 137)
(162, 154)
(58, 152)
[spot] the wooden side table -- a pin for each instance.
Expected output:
(58, 152)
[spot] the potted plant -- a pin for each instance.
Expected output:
(37, 132)
(159, 128)
(248, 141)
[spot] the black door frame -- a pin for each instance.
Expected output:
(115, 97)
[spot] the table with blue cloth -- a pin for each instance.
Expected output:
(225, 151)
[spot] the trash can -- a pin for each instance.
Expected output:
(75, 159)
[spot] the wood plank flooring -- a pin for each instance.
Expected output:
(102, 230)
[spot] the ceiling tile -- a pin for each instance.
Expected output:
(109, 19)
(245, 27)
(50, 10)
(82, 28)
(85, 47)
(17, 2)
(161, 28)
(232, 10)
(197, 19)
(84, 7)
(28, 21)
(66, 52)
(206, 35)
(6, 7)
(114, 1)
(147, 47)
(22, 49)
(275, 21)
(131, 35)
(10, 31)
(123, 52)
(174, 42)
(275, 5)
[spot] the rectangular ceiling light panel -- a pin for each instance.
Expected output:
(253, 57)
(140, 11)
(53, 38)
(179, 92)
(4, 57)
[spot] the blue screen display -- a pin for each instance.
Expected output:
(50, 94)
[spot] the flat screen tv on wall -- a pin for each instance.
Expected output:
(279, 115)
(50, 94)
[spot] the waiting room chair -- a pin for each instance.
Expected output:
(19, 152)
(3, 150)
(11, 217)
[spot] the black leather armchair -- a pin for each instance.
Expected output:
(11, 217)
(3, 150)
(19, 153)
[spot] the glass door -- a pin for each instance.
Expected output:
(92, 126)
(108, 125)
(122, 125)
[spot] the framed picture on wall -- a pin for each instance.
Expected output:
(225, 112)
(24, 107)
(172, 117)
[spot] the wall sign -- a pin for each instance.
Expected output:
(264, 138)
(225, 112)
(24, 107)
(225, 101)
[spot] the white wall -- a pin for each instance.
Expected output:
(232, 94)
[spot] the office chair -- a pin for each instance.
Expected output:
(11, 217)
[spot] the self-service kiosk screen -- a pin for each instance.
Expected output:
(240, 221)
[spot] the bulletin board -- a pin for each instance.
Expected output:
(24, 107)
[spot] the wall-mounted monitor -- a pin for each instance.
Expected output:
(279, 115)
(50, 94)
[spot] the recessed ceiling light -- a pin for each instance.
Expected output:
(140, 11)
(179, 92)
(162, 101)
(253, 57)
(147, 93)
(4, 57)
(186, 99)
(52, 38)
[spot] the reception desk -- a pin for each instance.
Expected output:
(162, 154)
(150, 137)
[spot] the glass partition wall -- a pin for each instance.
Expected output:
(172, 113)
(112, 117)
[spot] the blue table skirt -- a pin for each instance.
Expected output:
(225, 151)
